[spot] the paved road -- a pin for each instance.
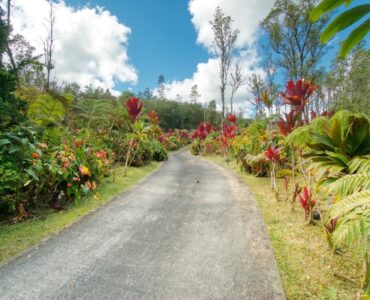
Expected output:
(171, 237)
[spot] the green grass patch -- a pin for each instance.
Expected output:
(308, 268)
(17, 238)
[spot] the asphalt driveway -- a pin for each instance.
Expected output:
(191, 230)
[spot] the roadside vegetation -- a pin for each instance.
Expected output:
(310, 142)
(65, 149)
(16, 238)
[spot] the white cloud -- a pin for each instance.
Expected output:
(247, 15)
(90, 47)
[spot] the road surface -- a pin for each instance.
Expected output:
(191, 230)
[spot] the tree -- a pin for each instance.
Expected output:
(347, 85)
(224, 45)
(237, 81)
(12, 108)
(294, 39)
(148, 94)
(194, 94)
(8, 49)
(212, 105)
(343, 21)
(161, 87)
(255, 87)
(49, 44)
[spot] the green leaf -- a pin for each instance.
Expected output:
(344, 20)
(354, 38)
(339, 158)
(32, 174)
(4, 142)
(323, 8)
(359, 132)
(13, 149)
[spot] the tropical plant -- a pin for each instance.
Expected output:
(93, 111)
(335, 142)
(134, 107)
(348, 220)
(343, 21)
(46, 110)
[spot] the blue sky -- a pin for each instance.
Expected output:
(169, 37)
(162, 41)
(163, 38)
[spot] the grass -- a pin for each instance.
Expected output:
(308, 268)
(16, 238)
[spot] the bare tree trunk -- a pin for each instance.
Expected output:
(8, 50)
(49, 44)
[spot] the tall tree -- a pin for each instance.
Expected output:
(293, 39)
(236, 82)
(161, 87)
(49, 43)
(347, 85)
(194, 94)
(8, 49)
(12, 108)
(224, 45)
(256, 87)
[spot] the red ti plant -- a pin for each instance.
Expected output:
(153, 117)
(272, 154)
(231, 118)
(297, 93)
(133, 107)
(325, 113)
(307, 203)
(202, 131)
(287, 126)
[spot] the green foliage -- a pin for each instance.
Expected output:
(353, 225)
(348, 83)
(293, 39)
(93, 112)
(12, 108)
(343, 21)
(46, 110)
(179, 115)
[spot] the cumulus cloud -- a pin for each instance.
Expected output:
(90, 46)
(247, 16)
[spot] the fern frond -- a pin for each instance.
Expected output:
(360, 164)
(349, 184)
(46, 109)
(353, 226)
(93, 110)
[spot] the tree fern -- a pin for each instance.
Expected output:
(93, 111)
(46, 110)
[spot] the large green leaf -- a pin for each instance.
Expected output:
(359, 131)
(4, 142)
(334, 132)
(354, 38)
(344, 20)
(46, 109)
(325, 7)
